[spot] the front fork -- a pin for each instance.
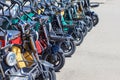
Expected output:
(1, 69)
(55, 50)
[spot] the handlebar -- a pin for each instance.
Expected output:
(25, 26)
(7, 46)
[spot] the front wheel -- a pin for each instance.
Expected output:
(84, 31)
(68, 48)
(95, 19)
(52, 75)
(89, 23)
(58, 60)
(78, 38)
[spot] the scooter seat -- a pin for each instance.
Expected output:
(56, 37)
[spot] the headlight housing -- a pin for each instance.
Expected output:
(40, 11)
(62, 12)
(11, 59)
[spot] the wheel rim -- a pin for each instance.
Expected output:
(84, 32)
(66, 48)
(90, 25)
(50, 59)
(95, 19)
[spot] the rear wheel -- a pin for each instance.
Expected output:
(58, 60)
(95, 19)
(68, 48)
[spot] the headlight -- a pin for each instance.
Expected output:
(40, 11)
(11, 59)
(62, 13)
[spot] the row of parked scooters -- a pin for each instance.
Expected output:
(36, 36)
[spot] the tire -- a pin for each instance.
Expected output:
(95, 19)
(89, 23)
(60, 60)
(68, 52)
(90, 26)
(84, 31)
(52, 76)
(83, 28)
(78, 39)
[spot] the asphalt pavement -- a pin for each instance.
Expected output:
(98, 57)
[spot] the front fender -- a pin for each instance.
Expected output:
(70, 37)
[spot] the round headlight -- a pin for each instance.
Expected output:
(11, 59)
(62, 13)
